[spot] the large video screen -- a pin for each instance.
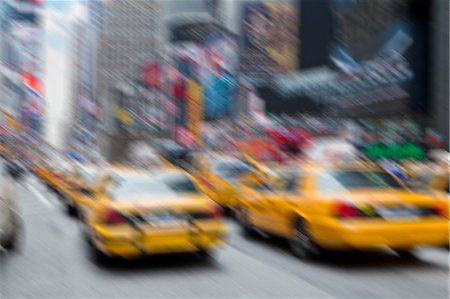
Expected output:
(269, 42)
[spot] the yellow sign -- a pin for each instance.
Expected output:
(194, 109)
(123, 116)
(284, 31)
(11, 122)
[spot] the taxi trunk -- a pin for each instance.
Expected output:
(370, 219)
(133, 229)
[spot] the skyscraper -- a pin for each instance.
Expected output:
(439, 111)
(127, 38)
(86, 111)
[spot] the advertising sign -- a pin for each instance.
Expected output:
(269, 40)
(150, 74)
(212, 63)
(218, 74)
(395, 151)
(194, 109)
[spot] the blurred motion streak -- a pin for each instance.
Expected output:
(324, 123)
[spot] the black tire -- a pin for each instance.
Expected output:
(84, 231)
(71, 210)
(301, 244)
(246, 226)
(205, 253)
(228, 211)
(96, 255)
(404, 253)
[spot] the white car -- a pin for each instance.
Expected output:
(9, 220)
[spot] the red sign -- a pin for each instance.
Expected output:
(32, 82)
(150, 74)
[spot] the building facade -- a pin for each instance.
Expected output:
(439, 110)
(126, 39)
(85, 123)
(21, 64)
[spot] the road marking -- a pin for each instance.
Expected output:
(39, 196)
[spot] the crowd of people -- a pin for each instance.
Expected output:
(399, 148)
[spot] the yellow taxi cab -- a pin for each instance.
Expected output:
(356, 206)
(219, 177)
(434, 176)
(45, 171)
(55, 173)
(262, 169)
(78, 182)
(82, 180)
(134, 213)
(41, 168)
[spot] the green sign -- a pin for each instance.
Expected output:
(399, 151)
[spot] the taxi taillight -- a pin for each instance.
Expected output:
(439, 210)
(113, 217)
(216, 213)
(346, 210)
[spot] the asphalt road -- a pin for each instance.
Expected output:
(53, 262)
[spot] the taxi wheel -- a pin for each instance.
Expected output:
(242, 218)
(404, 253)
(85, 231)
(205, 253)
(71, 210)
(301, 244)
(96, 255)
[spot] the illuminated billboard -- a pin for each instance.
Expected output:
(269, 43)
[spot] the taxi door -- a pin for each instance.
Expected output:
(89, 197)
(267, 214)
(277, 206)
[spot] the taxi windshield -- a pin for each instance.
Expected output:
(88, 174)
(341, 180)
(231, 169)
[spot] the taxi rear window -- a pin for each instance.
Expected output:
(148, 187)
(340, 180)
(231, 169)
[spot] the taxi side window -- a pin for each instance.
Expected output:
(231, 171)
(293, 182)
(261, 186)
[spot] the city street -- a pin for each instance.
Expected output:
(52, 261)
(129, 128)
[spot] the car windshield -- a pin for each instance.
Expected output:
(231, 169)
(341, 180)
(150, 187)
(88, 174)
